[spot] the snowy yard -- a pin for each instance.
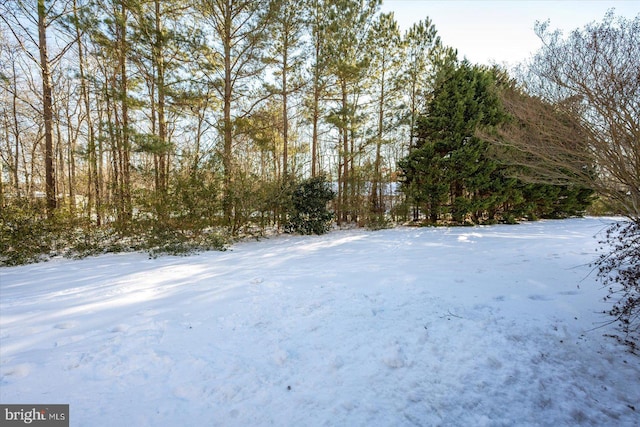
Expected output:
(494, 326)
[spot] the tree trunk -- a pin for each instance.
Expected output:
(226, 120)
(162, 122)
(376, 199)
(47, 110)
(314, 135)
(345, 151)
(93, 182)
(16, 133)
(285, 113)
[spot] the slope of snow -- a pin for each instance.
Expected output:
(477, 326)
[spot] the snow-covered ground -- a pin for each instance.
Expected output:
(473, 326)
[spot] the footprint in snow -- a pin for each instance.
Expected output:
(395, 358)
(18, 371)
(337, 363)
(120, 328)
(65, 325)
(540, 298)
(256, 280)
(280, 357)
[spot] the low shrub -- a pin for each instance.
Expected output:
(618, 268)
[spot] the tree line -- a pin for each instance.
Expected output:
(124, 109)
(151, 124)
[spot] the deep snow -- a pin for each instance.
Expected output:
(497, 325)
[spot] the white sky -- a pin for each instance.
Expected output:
(501, 32)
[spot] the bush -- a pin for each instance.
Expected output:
(28, 236)
(309, 213)
(176, 239)
(25, 234)
(619, 270)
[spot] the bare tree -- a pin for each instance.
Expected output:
(21, 19)
(577, 119)
(583, 125)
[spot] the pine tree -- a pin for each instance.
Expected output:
(448, 150)
(111, 36)
(424, 52)
(239, 26)
(162, 42)
(317, 24)
(348, 50)
(385, 66)
(455, 174)
(287, 56)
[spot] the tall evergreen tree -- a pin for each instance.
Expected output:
(386, 55)
(448, 150)
(456, 175)
(162, 37)
(94, 187)
(317, 24)
(287, 56)
(349, 24)
(424, 52)
(239, 26)
(110, 31)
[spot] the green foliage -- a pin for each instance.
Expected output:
(453, 175)
(425, 181)
(309, 213)
(173, 238)
(554, 201)
(195, 199)
(25, 234)
(449, 175)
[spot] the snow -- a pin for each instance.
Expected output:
(496, 325)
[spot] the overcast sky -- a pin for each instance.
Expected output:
(502, 31)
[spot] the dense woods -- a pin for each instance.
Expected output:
(168, 126)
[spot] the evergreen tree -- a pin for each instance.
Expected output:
(448, 150)
(349, 23)
(111, 35)
(456, 175)
(424, 52)
(386, 55)
(235, 62)
(161, 33)
(317, 24)
(287, 55)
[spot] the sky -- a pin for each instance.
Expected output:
(501, 32)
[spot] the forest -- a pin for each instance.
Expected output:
(178, 126)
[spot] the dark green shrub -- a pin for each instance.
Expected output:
(309, 213)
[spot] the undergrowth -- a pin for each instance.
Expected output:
(618, 268)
